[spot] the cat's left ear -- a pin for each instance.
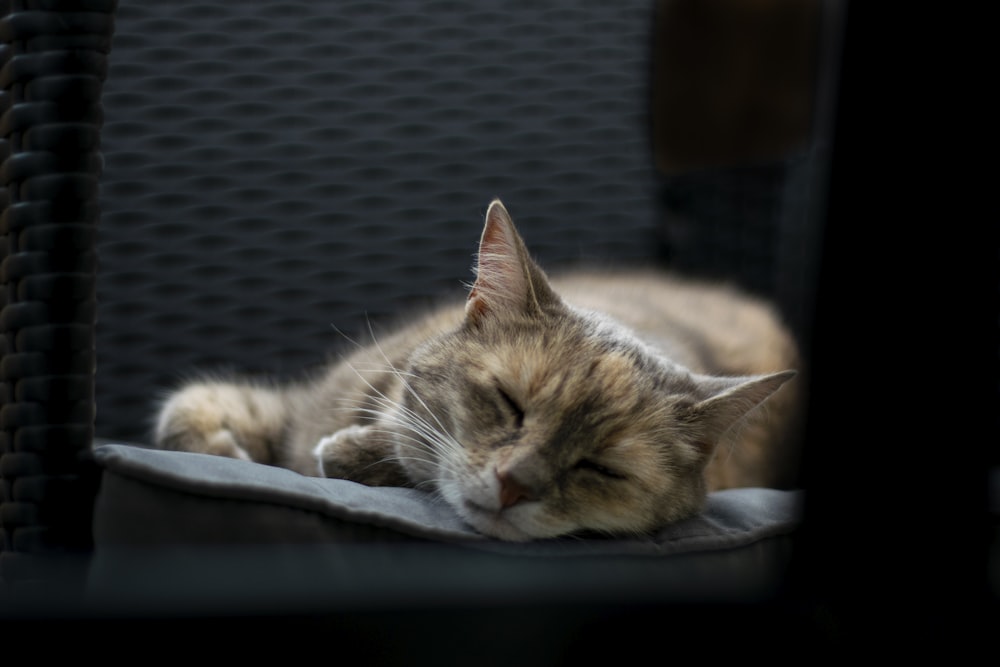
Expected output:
(730, 400)
(508, 281)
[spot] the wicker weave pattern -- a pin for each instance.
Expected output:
(274, 170)
(53, 70)
(268, 170)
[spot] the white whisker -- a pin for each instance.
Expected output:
(406, 385)
(411, 416)
(382, 369)
(343, 335)
(417, 431)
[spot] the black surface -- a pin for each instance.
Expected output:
(274, 170)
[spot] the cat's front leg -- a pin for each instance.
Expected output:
(363, 454)
(231, 419)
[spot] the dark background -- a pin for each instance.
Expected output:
(898, 543)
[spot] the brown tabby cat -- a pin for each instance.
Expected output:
(594, 402)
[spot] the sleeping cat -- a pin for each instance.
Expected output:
(608, 402)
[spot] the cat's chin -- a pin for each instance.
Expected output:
(479, 506)
(500, 525)
(496, 526)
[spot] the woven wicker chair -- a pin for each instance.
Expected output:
(55, 62)
(251, 173)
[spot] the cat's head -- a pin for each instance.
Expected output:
(545, 419)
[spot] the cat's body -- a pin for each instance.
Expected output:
(596, 401)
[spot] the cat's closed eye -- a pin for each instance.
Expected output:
(513, 407)
(593, 466)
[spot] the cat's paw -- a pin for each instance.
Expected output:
(231, 420)
(362, 454)
(337, 454)
(223, 443)
(217, 442)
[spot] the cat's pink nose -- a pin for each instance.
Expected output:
(511, 491)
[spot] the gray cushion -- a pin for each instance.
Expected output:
(153, 497)
(182, 533)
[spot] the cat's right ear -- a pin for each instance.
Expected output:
(507, 279)
(730, 399)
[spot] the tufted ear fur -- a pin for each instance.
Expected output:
(730, 400)
(507, 280)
